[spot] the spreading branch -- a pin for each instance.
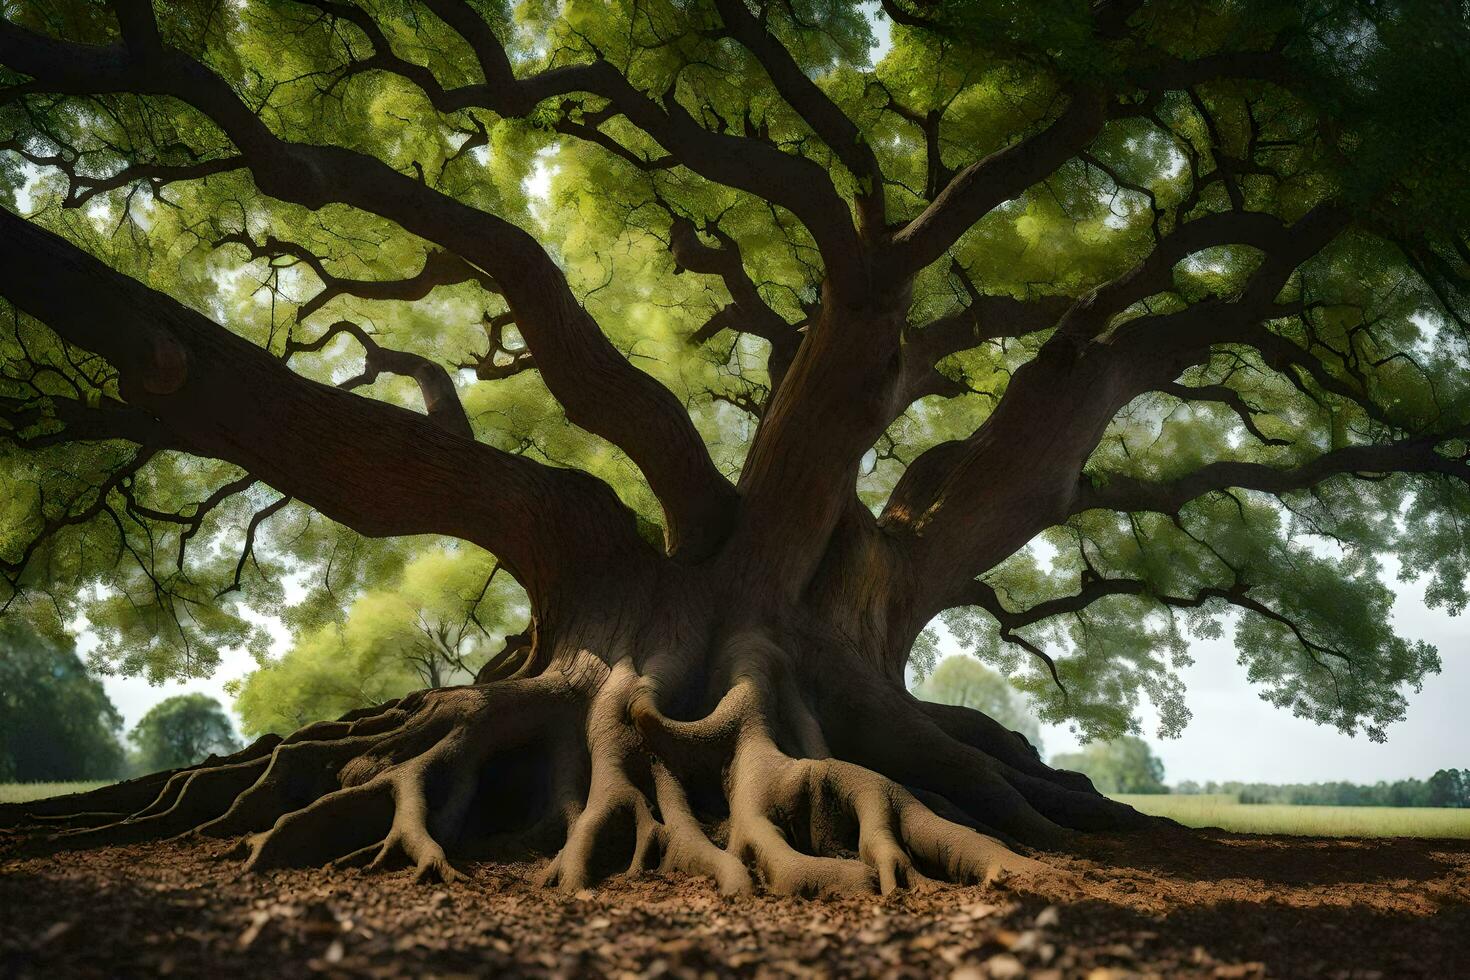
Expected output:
(1117, 491)
(389, 472)
(440, 268)
(747, 312)
(595, 384)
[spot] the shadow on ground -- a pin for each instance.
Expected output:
(1174, 905)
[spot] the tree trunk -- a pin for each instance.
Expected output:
(690, 726)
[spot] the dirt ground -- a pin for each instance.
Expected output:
(1184, 904)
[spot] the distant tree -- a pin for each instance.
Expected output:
(1439, 790)
(965, 681)
(1449, 787)
(56, 721)
(1122, 765)
(182, 730)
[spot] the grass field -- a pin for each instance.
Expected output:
(1227, 813)
(1224, 812)
(25, 792)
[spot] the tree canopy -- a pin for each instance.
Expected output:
(1085, 326)
(182, 731)
(434, 623)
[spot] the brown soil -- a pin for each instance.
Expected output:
(1174, 905)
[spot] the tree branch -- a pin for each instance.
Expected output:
(81, 188)
(596, 385)
(799, 185)
(1116, 491)
(379, 469)
(441, 401)
(819, 112)
(1002, 176)
(962, 500)
(748, 313)
(440, 268)
(1227, 396)
(499, 360)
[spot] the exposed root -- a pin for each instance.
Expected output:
(766, 786)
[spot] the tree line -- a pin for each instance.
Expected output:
(1447, 787)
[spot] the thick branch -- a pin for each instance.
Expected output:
(819, 112)
(979, 188)
(107, 421)
(748, 313)
(499, 360)
(799, 185)
(963, 500)
(379, 469)
(594, 382)
(1227, 396)
(1155, 273)
(1116, 491)
(985, 318)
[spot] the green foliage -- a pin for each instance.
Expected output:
(182, 730)
(1121, 765)
(432, 624)
(56, 721)
(966, 682)
(1447, 787)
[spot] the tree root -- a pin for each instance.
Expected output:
(768, 788)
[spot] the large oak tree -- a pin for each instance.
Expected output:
(1084, 326)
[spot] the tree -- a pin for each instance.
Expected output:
(56, 721)
(431, 625)
(1085, 326)
(182, 730)
(1121, 765)
(966, 682)
(1449, 787)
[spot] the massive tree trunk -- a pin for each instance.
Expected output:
(683, 723)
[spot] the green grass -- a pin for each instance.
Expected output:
(1227, 813)
(1222, 811)
(25, 792)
